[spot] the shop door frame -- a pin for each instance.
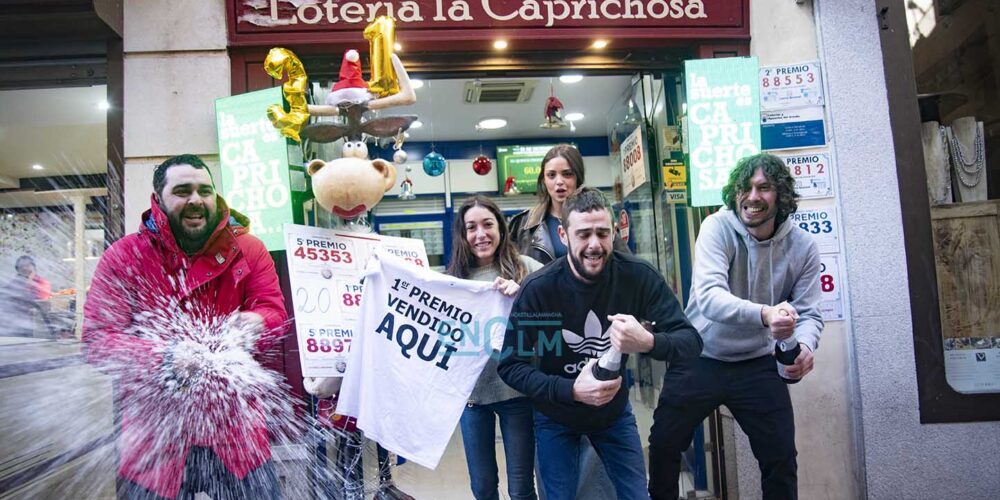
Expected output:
(247, 75)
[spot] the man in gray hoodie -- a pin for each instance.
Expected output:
(756, 281)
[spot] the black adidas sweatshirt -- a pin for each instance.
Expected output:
(558, 323)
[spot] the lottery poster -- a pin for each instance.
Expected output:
(822, 225)
(830, 283)
(811, 173)
(791, 86)
(325, 269)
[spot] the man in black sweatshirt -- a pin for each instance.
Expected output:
(564, 318)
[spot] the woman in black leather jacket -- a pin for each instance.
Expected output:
(534, 231)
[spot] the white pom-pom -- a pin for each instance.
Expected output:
(352, 55)
(399, 156)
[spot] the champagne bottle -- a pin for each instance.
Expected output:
(785, 351)
(609, 366)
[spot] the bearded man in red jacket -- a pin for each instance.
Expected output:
(180, 314)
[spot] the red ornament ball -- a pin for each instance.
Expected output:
(482, 165)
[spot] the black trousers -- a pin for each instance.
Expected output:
(758, 399)
(204, 472)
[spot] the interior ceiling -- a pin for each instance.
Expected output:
(56, 43)
(61, 129)
(55, 59)
(446, 116)
(64, 131)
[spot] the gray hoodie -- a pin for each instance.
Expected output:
(735, 275)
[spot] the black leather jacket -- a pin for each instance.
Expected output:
(530, 234)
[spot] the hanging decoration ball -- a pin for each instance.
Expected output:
(434, 164)
(399, 157)
(482, 165)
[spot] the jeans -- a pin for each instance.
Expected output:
(204, 472)
(618, 447)
(758, 399)
(478, 436)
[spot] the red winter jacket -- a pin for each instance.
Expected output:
(146, 274)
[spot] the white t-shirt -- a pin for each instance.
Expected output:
(406, 383)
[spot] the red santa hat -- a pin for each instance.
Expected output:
(350, 72)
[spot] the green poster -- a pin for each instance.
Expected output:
(723, 122)
(524, 163)
(254, 160)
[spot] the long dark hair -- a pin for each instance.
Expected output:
(775, 170)
(462, 257)
(575, 161)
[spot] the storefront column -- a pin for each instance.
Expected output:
(175, 66)
(79, 257)
(900, 457)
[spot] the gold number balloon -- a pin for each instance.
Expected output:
(289, 123)
(381, 36)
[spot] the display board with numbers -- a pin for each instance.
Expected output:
(831, 306)
(822, 224)
(791, 86)
(811, 173)
(523, 163)
(633, 162)
(325, 269)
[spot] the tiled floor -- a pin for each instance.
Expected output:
(450, 481)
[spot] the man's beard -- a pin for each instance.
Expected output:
(759, 223)
(582, 271)
(769, 214)
(191, 241)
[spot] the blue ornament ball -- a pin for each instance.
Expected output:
(434, 164)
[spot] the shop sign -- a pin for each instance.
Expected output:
(254, 163)
(633, 162)
(319, 16)
(811, 173)
(524, 163)
(675, 197)
(971, 364)
(674, 176)
(831, 304)
(791, 129)
(723, 122)
(325, 269)
(791, 86)
(822, 224)
(674, 182)
(671, 139)
(623, 225)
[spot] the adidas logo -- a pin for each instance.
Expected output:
(593, 343)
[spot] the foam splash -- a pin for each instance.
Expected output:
(223, 384)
